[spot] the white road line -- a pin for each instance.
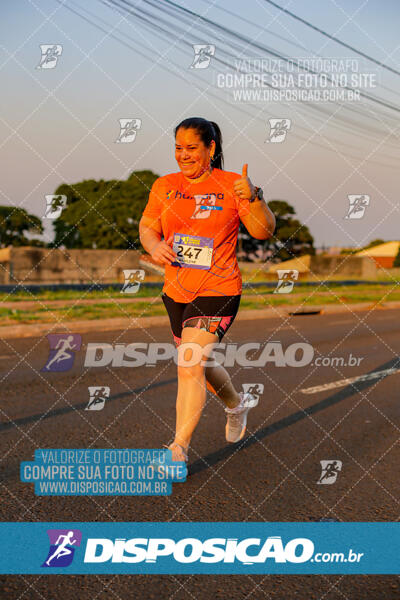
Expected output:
(343, 382)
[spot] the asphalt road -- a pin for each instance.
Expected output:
(271, 476)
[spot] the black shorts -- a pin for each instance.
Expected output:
(210, 313)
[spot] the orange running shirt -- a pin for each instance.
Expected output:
(209, 209)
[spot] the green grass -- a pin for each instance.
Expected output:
(76, 313)
(74, 294)
(315, 299)
(253, 299)
(332, 288)
(153, 292)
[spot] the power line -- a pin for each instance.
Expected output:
(332, 37)
(281, 37)
(270, 51)
(244, 20)
(364, 126)
(178, 74)
(176, 30)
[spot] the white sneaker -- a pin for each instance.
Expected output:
(237, 417)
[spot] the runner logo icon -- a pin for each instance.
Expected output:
(128, 130)
(286, 280)
(62, 547)
(255, 389)
(205, 203)
(357, 205)
(50, 55)
(98, 395)
(278, 130)
(330, 471)
(54, 205)
(202, 55)
(62, 349)
(133, 279)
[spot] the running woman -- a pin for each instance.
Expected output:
(197, 212)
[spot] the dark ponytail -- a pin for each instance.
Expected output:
(207, 131)
(218, 160)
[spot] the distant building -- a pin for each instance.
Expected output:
(332, 250)
(329, 266)
(26, 265)
(383, 254)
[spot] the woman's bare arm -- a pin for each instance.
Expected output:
(260, 222)
(159, 250)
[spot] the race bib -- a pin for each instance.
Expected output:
(193, 251)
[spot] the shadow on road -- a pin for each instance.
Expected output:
(213, 458)
(67, 409)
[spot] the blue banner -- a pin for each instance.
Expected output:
(207, 548)
(102, 472)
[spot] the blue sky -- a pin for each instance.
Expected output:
(60, 125)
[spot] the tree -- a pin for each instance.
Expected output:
(349, 251)
(15, 222)
(103, 214)
(289, 240)
(377, 242)
(396, 262)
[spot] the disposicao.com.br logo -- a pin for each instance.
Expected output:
(251, 354)
(248, 551)
(200, 547)
(62, 547)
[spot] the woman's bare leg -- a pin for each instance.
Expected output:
(191, 383)
(220, 384)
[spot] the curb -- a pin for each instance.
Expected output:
(42, 329)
